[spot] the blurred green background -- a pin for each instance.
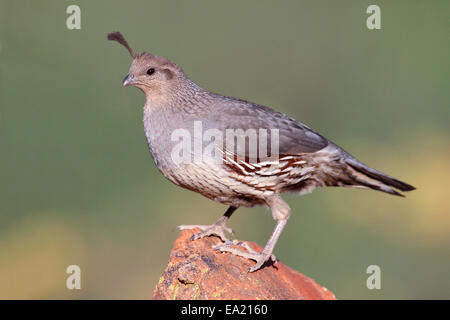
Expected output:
(77, 184)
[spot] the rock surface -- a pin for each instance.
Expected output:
(196, 271)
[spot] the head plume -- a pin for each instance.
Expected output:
(117, 36)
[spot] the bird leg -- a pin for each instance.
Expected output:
(281, 213)
(217, 229)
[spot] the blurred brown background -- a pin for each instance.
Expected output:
(77, 185)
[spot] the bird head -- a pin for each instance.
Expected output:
(152, 74)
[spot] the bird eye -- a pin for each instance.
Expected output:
(151, 71)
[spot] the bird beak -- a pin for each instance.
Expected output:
(127, 81)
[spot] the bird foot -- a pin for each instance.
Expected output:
(215, 229)
(260, 258)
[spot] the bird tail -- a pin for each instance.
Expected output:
(367, 177)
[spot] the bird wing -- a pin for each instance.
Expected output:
(294, 137)
(267, 171)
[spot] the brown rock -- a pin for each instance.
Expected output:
(196, 271)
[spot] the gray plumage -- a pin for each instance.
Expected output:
(306, 159)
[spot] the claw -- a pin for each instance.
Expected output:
(215, 229)
(260, 258)
(190, 226)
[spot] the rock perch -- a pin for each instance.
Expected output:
(196, 271)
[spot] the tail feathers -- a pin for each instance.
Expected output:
(368, 177)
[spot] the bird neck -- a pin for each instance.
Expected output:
(183, 96)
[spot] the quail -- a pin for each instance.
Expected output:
(303, 159)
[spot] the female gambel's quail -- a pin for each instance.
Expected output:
(177, 109)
